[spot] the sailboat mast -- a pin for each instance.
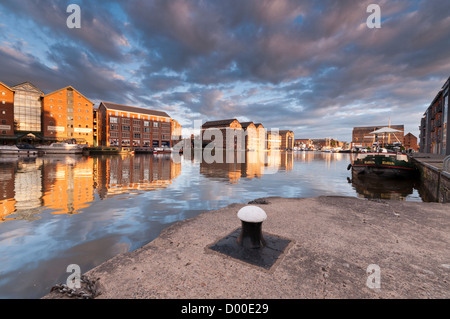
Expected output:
(389, 135)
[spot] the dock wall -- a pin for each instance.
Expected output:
(434, 180)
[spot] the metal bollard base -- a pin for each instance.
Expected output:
(251, 236)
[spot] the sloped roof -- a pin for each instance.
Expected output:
(25, 84)
(6, 86)
(133, 109)
(219, 123)
(68, 87)
(410, 134)
(246, 124)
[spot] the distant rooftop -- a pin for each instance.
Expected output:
(246, 124)
(133, 109)
(219, 123)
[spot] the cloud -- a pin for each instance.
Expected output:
(74, 67)
(297, 64)
(100, 32)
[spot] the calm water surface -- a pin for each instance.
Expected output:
(56, 211)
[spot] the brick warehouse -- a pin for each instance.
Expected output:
(67, 114)
(248, 136)
(226, 127)
(129, 126)
(6, 112)
(287, 140)
(410, 142)
(27, 114)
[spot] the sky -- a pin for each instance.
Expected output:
(313, 67)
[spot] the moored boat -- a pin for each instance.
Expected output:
(9, 150)
(162, 150)
(27, 149)
(383, 164)
(143, 150)
(62, 148)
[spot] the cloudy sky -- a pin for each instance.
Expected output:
(310, 66)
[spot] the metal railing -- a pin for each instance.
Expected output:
(446, 167)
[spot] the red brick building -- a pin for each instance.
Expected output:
(129, 126)
(6, 113)
(287, 140)
(410, 142)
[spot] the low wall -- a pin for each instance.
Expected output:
(435, 182)
(444, 188)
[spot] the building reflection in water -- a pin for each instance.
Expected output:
(247, 165)
(117, 175)
(68, 184)
(21, 188)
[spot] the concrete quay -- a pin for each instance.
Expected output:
(332, 242)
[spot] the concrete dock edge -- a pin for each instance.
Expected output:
(335, 241)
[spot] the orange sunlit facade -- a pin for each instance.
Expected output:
(67, 114)
(273, 140)
(28, 115)
(261, 136)
(176, 132)
(6, 111)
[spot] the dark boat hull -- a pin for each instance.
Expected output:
(383, 166)
(385, 172)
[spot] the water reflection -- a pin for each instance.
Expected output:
(118, 175)
(21, 188)
(247, 165)
(68, 184)
(378, 188)
(128, 200)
